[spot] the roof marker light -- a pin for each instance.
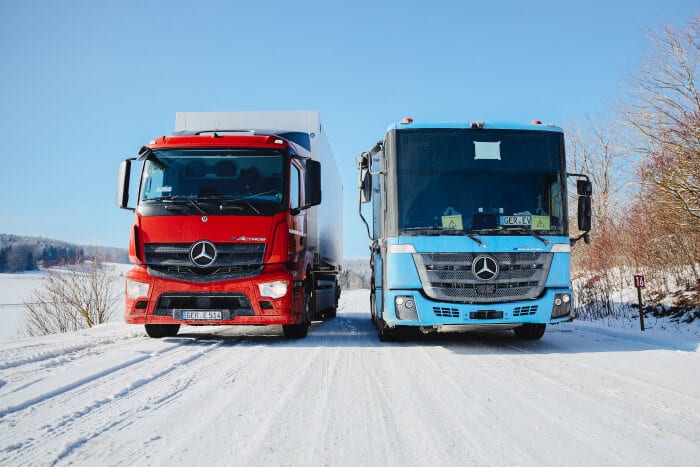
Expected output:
(274, 139)
(406, 121)
(537, 122)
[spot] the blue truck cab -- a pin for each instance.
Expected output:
(469, 227)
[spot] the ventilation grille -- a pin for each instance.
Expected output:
(235, 303)
(446, 312)
(448, 277)
(233, 261)
(525, 310)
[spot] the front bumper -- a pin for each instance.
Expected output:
(426, 312)
(235, 302)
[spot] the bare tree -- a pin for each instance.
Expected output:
(75, 298)
(662, 107)
(596, 147)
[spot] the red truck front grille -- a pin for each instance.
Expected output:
(232, 261)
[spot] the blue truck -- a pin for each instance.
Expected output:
(469, 227)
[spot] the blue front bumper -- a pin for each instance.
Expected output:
(428, 312)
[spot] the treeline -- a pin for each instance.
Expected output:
(643, 157)
(21, 253)
(356, 274)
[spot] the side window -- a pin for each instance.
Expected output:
(294, 176)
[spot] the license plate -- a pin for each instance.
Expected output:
(203, 315)
(516, 220)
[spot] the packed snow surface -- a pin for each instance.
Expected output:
(583, 395)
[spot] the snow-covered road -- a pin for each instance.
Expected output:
(247, 396)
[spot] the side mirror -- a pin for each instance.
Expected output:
(123, 182)
(585, 212)
(584, 188)
(365, 186)
(312, 184)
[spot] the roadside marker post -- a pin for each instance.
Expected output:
(639, 284)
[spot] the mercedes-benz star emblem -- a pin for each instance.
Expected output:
(203, 253)
(484, 268)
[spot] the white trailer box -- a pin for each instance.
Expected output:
(324, 222)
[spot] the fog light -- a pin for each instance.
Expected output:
(275, 289)
(561, 306)
(136, 289)
(406, 308)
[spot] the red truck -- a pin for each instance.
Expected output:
(231, 226)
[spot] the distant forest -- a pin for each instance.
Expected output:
(19, 253)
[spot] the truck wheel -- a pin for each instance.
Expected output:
(295, 331)
(299, 331)
(530, 331)
(396, 333)
(158, 331)
(385, 333)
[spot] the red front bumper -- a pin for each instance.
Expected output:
(150, 309)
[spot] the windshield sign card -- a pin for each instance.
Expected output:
(534, 222)
(452, 222)
(540, 223)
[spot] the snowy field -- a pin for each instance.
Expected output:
(586, 394)
(17, 288)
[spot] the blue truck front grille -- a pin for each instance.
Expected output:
(233, 261)
(449, 277)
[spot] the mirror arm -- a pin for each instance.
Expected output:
(360, 159)
(585, 236)
(364, 221)
(570, 174)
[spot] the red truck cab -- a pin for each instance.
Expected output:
(220, 235)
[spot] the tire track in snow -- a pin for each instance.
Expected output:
(31, 368)
(133, 390)
(570, 396)
(122, 385)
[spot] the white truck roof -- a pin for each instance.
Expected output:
(307, 121)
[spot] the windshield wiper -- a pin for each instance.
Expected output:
(474, 237)
(434, 230)
(530, 232)
(226, 200)
(431, 230)
(177, 197)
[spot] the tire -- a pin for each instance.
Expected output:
(530, 331)
(295, 331)
(385, 333)
(158, 331)
(299, 331)
(373, 307)
(396, 333)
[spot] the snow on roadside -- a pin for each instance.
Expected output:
(17, 288)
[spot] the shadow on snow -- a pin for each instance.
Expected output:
(356, 330)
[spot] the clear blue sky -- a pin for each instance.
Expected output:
(84, 84)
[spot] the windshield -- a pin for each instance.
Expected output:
(481, 181)
(214, 181)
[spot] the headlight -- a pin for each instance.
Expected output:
(275, 289)
(136, 289)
